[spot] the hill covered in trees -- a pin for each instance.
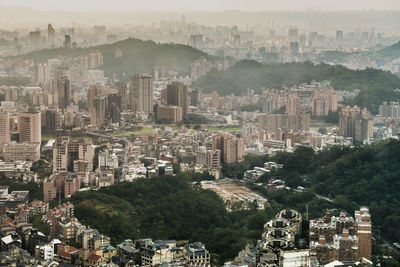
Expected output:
(375, 85)
(168, 207)
(390, 52)
(351, 177)
(137, 56)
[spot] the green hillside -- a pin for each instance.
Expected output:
(391, 52)
(138, 56)
(375, 85)
(351, 177)
(170, 207)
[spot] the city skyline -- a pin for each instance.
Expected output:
(207, 5)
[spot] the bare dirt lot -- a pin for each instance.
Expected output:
(232, 192)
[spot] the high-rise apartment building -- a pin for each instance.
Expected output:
(293, 104)
(66, 151)
(356, 123)
(124, 93)
(92, 92)
(67, 41)
(41, 73)
(285, 122)
(210, 158)
(29, 127)
(50, 121)
(339, 37)
(364, 232)
(195, 97)
(342, 237)
(141, 93)
(324, 101)
(177, 95)
(390, 110)
(231, 147)
(51, 34)
(98, 111)
(35, 38)
(64, 92)
(171, 113)
(114, 107)
(5, 135)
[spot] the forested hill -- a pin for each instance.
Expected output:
(168, 207)
(352, 177)
(137, 56)
(391, 52)
(375, 85)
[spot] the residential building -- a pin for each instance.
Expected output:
(99, 111)
(231, 147)
(324, 101)
(356, 123)
(14, 151)
(5, 134)
(64, 92)
(29, 127)
(66, 151)
(60, 185)
(171, 113)
(177, 95)
(342, 237)
(141, 93)
(274, 122)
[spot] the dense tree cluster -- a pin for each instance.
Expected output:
(351, 177)
(168, 207)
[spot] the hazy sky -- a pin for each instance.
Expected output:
(203, 5)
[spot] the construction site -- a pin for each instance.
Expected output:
(235, 194)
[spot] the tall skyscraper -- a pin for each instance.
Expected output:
(51, 121)
(67, 41)
(64, 92)
(141, 93)
(92, 92)
(41, 73)
(5, 135)
(114, 107)
(29, 127)
(177, 95)
(35, 38)
(99, 111)
(195, 97)
(339, 37)
(124, 93)
(51, 34)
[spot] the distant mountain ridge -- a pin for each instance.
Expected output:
(391, 52)
(375, 85)
(137, 56)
